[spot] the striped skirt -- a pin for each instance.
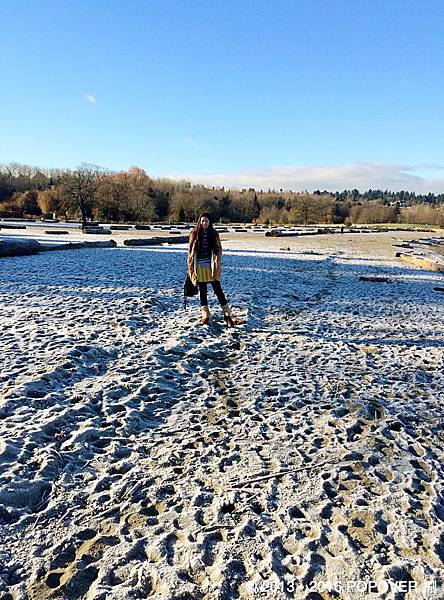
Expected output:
(203, 270)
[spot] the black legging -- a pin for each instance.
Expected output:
(203, 289)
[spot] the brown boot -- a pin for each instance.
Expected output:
(205, 315)
(227, 316)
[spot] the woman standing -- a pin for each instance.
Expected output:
(204, 266)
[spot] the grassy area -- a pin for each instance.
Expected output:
(397, 225)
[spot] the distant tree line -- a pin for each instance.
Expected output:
(90, 192)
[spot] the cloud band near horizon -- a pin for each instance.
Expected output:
(363, 176)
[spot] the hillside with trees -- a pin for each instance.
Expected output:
(91, 192)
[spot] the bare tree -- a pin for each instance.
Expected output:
(302, 209)
(79, 189)
(51, 201)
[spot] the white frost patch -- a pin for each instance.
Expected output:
(142, 455)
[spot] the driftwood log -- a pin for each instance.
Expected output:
(19, 247)
(96, 230)
(79, 245)
(429, 263)
(29, 247)
(374, 279)
(156, 241)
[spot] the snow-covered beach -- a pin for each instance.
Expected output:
(299, 456)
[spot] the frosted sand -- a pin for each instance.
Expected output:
(144, 456)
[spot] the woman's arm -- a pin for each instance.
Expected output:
(217, 245)
(191, 253)
(217, 257)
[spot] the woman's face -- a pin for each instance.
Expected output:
(204, 221)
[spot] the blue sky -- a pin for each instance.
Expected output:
(299, 95)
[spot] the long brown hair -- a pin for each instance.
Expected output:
(211, 232)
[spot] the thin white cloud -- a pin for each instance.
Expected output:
(192, 142)
(360, 175)
(90, 98)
